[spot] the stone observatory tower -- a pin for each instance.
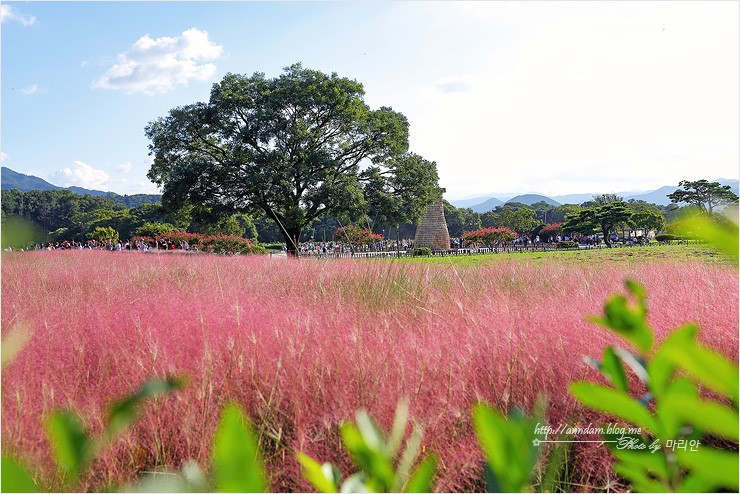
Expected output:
(432, 231)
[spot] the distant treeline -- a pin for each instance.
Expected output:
(134, 200)
(64, 215)
(525, 218)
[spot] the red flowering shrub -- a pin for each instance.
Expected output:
(353, 234)
(490, 236)
(551, 230)
(136, 239)
(230, 244)
(218, 244)
(193, 239)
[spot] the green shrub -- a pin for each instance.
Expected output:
(59, 234)
(421, 251)
(567, 244)
(273, 246)
(152, 229)
(103, 233)
(666, 237)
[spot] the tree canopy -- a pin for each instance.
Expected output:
(521, 220)
(647, 216)
(703, 194)
(296, 147)
(604, 217)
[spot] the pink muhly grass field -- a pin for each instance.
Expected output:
(302, 345)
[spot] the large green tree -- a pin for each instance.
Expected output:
(605, 217)
(471, 219)
(703, 194)
(602, 199)
(557, 214)
(521, 220)
(454, 219)
(400, 190)
(646, 216)
(294, 147)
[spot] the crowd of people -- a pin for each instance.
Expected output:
(306, 248)
(325, 248)
(111, 245)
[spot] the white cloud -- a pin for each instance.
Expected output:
(29, 90)
(7, 14)
(454, 84)
(123, 168)
(4, 157)
(88, 177)
(81, 175)
(158, 65)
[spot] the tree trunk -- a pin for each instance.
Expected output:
(607, 240)
(292, 239)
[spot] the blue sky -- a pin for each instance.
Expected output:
(550, 97)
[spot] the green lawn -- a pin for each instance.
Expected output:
(626, 255)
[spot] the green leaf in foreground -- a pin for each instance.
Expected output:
(408, 458)
(509, 447)
(123, 412)
(69, 443)
(611, 365)
(626, 321)
(400, 420)
(16, 339)
(639, 477)
(237, 465)
(709, 416)
(323, 477)
(421, 479)
(556, 469)
(367, 449)
(190, 478)
(661, 367)
(617, 403)
(709, 367)
(15, 478)
(717, 467)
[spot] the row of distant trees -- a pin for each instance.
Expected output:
(58, 215)
(63, 215)
(609, 212)
(605, 212)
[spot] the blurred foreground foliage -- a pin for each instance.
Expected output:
(17, 232)
(690, 403)
(717, 230)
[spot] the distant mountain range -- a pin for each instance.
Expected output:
(659, 196)
(532, 198)
(10, 179)
(13, 180)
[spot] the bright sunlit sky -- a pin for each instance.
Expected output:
(548, 97)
